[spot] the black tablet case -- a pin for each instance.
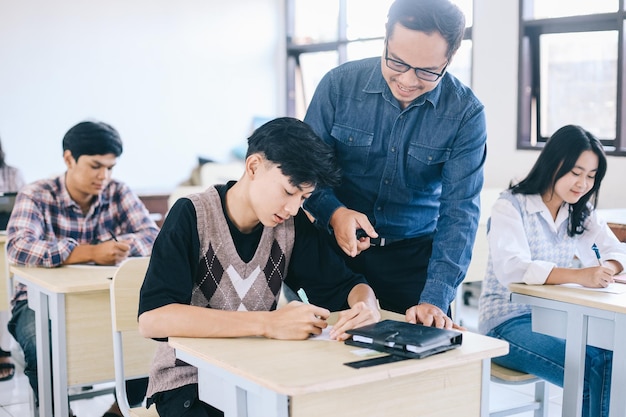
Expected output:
(431, 339)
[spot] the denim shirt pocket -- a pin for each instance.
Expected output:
(353, 148)
(424, 165)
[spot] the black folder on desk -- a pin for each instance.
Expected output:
(405, 339)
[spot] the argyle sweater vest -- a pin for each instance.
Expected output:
(225, 282)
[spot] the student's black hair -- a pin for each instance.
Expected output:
(429, 16)
(2, 156)
(301, 155)
(557, 158)
(92, 138)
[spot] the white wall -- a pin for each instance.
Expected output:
(495, 36)
(178, 79)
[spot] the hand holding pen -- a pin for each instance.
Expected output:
(604, 276)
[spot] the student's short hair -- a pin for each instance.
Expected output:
(92, 138)
(429, 16)
(301, 155)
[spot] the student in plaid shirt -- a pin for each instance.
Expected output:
(73, 219)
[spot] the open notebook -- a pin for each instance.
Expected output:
(7, 201)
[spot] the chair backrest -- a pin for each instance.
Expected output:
(125, 293)
(132, 354)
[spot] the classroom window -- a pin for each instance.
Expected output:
(322, 34)
(571, 70)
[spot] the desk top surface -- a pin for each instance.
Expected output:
(66, 279)
(588, 298)
(307, 366)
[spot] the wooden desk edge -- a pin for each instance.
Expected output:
(100, 283)
(380, 373)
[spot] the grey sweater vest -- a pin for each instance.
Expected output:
(224, 281)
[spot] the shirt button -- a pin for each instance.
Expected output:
(187, 404)
(379, 208)
(386, 182)
(350, 139)
(393, 149)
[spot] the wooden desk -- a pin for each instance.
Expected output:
(73, 320)
(581, 317)
(260, 377)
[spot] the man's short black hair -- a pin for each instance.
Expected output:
(300, 154)
(429, 16)
(92, 138)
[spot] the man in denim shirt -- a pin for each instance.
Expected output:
(411, 141)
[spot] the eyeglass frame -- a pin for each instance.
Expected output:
(416, 69)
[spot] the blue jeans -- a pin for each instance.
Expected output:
(22, 327)
(544, 356)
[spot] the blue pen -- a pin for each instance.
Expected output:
(597, 251)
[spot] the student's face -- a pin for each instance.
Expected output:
(273, 198)
(579, 181)
(89, 174)
(419, 50)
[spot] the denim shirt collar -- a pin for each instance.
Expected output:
(376, 84)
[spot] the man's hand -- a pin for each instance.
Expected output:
(430, 315)
(110, 252)
(296, 321)
(345, 223)
(359, 315)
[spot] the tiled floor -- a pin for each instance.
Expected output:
(15, 400)
(14, 394)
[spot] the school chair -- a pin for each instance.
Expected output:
(507, 376)
(132, 354)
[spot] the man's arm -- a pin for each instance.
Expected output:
(133, 225)
(462, 180)
(29, 242)
(329, 213)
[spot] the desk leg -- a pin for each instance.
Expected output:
(38, 302)
(236, 396)
(485, 387)
(59, 357)
(618, 374)
(575, 348)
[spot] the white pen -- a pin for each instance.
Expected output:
(303, 296)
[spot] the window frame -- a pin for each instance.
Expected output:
(529, 74)
(294, 51)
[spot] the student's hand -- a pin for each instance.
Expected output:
(597, 277)
(296, 321)
(430, 315)
(110, 252)
(345, 223)
(359, 315)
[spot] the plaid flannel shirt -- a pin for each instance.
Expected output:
(46, 224)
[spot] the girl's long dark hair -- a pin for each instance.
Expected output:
(558, 158)
(2, 162)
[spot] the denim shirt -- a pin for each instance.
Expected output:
(413, 172)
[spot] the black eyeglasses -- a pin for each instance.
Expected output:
(421, 73)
